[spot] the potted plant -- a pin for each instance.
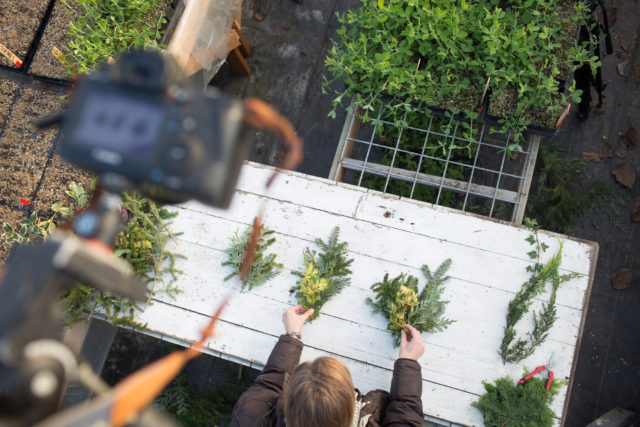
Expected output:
(445, 54)
(82, 33)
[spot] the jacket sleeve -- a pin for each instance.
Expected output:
(257, 404)
(405, 400)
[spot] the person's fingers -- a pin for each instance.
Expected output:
(296, 308)
(403, 337)
(411, 329)
(307, 314)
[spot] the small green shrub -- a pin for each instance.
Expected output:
(561, 199)
(105, 28)
(142, 243)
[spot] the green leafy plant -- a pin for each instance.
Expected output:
(105, 28)
(194, 407)
(264, 267)
(326, 273)
(442, 53)
(398, 299)
(561, 198)
(512, 347)
(142, 243)
(507, 403)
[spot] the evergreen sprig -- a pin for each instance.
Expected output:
(326, 273)
(264, 267)
(508, 403)
(398, 299)
(512, 347)
(142, 243)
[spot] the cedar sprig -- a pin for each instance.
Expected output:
(326, 273)
(264, 266)
(508, 403)
(398, 299)
(512, 347)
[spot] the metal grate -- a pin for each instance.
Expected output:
(443, 160)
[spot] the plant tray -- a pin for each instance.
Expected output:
(449, 161)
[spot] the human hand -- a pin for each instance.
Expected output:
(411, 345)
(294, 317)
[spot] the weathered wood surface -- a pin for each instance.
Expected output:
(385, 234)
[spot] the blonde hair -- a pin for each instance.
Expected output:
(319, 394)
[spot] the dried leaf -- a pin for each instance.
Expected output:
(623, 46)
(621, 149)
(624, 174)
(259, 16)
(605, 151)
(630, 137)
(622, 68)
(621, 279)
(590, 156)
(635, 213)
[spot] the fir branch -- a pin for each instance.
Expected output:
(512, 347)
(264, 266)
(399, 301)
(326, 273)
(508, 403)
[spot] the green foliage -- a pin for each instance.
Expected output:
(561, 198)
(507, 403)
(142, 243)
(398, 299)
(193, 407)
(512, 347)
(326, 273)
(264, 267)
(105, 28)
(442, 53)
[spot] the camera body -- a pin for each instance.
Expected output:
(140, 123)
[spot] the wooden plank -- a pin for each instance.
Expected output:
(429, 180)
(525, 185)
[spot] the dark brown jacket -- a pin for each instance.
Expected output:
(258, 406)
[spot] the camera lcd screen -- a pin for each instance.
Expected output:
(122, 124)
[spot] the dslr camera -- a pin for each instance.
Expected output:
(140, 123)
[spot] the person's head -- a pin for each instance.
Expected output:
(319, 394)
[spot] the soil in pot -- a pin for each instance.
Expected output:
(24, 149)
(19, 22)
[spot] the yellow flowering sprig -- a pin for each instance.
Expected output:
(326, 273)
(398, 299)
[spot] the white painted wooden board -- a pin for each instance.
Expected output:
(385, 234)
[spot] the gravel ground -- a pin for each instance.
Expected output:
(24, 150)
(7, 92)
(55, 35)
(19, 22)
(59, 174)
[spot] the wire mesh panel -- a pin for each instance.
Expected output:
(438, 159)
